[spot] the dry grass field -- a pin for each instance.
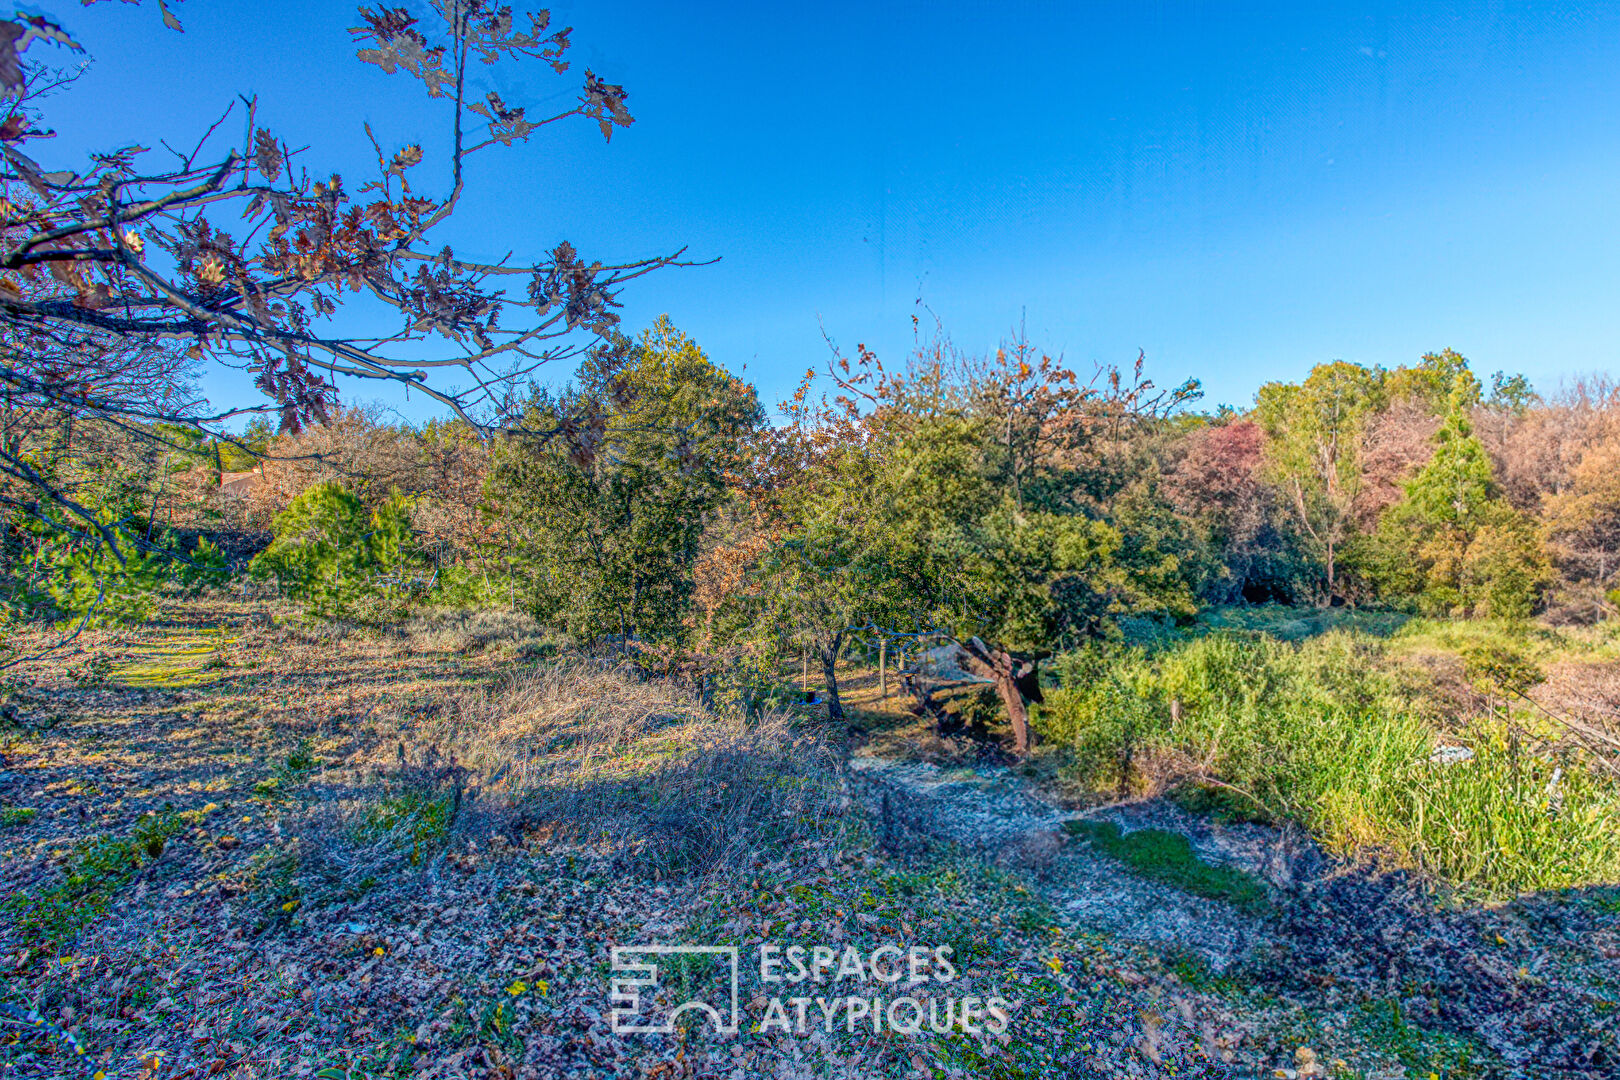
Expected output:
(238, 849)
(239, 845)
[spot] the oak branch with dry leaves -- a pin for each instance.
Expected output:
(123, 276)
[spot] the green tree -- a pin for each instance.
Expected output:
(956, 525)
(1011, 588)
(606, 518)
(1006, 585)
(89, 581)
(830, 571)
(1511, 393)
(1434, 381)
(1312, 433)
(1453, 541)
(1457, 484)
(241, 453)
(329, 552)
(1505, 567)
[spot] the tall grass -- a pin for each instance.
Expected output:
(1321, 732)
(1537, 641)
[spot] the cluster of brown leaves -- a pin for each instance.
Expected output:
(125, 257)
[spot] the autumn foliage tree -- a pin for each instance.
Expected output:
(124, 276)
(1583, 521)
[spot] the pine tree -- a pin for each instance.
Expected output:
(1457, 487)
(1453, 542)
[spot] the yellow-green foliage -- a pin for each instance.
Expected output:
(172, 660)
(329, 552)
(1539, 643)
(1321, 733)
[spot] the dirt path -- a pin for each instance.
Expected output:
(1520, 989)
(995, 814)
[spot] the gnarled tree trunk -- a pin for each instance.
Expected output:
(829, 671)
(1017, 682)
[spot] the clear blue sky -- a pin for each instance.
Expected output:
(1241, 190)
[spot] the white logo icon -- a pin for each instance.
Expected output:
(641, 970)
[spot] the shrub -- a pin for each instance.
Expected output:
(413, 819)
(1102, 725)
(80, 578)
(330, 553)
(1319, 732)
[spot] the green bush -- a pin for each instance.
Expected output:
(1320, 732)
(330, 554)
(75, 578)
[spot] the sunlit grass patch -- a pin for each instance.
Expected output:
(1537, 642)
(173, 662)
(1170, 859)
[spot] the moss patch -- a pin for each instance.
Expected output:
(96, 870)
(1169, 858)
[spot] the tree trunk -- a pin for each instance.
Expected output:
(1016, 712)
(829, 671)
(1017, 683)
(1330, 582)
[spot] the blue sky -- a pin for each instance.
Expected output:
(1240, 190)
